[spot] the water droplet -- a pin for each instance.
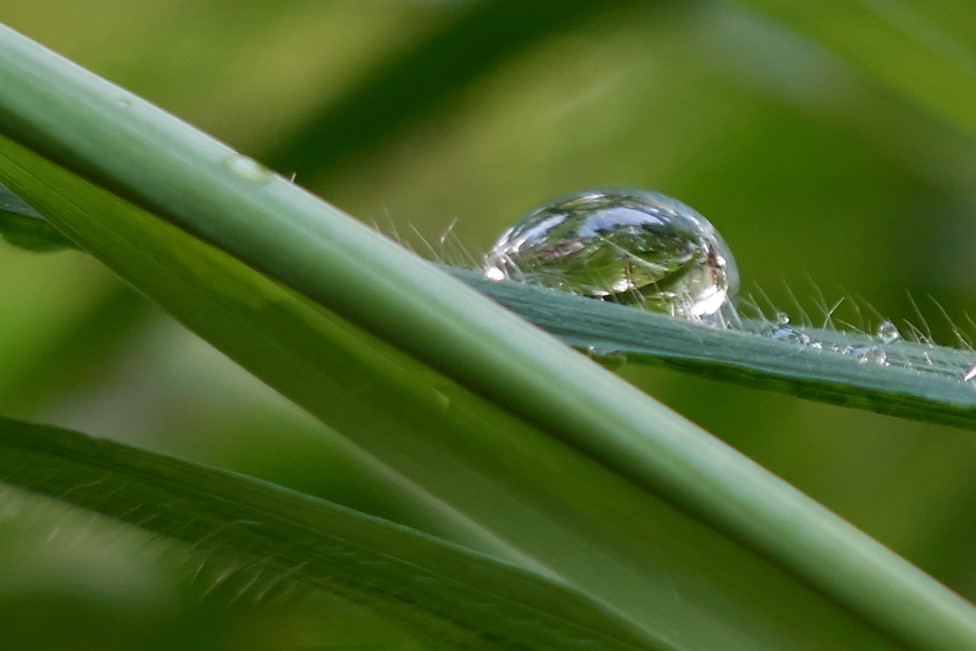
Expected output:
(782, 318)
(249, 168)
(787, 333)
(610, 359)
(621, 244)
(887, 332)
(970, 374)
(867, 354)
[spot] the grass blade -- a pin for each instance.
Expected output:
(492, 405)
(425, 584)
(919, 381)
(24, 227)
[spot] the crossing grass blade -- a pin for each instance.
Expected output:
(920, 381)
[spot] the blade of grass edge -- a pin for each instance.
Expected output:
(24, 227)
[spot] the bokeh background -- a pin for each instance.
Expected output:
(427, 117)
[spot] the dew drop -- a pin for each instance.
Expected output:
(784, 332)
(887, 332)
(609, 359)
(621, 244)
(867, 355)
(782, 318)
(249, 168)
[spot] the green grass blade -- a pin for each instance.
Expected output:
(24, 227)
(920, 381)
(922, 50)
(427, 585)
(541, 449)
(457, 449)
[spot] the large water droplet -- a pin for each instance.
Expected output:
(887, 332)
(249, 168)
(622, 244)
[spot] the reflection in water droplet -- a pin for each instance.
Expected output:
(887, 332)
(249, 168)
(787, 333)
(867, 355)
(622, 244)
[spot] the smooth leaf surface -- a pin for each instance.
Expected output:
(554, 460)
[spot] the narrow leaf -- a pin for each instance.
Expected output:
(425, 584)
(914, 380)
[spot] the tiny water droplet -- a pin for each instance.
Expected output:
(970, 374)
(867, 355)
(787, 333)
(610, 359)
(782, 318)
(249, 168)
(621, 244)
(887, 332)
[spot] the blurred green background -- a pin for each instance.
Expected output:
(429, 116)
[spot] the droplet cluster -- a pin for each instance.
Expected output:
(647, 249)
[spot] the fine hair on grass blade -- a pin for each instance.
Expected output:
(427, 586)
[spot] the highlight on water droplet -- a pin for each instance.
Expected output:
(788, 333)
(249, 168)
(867, 355)
(970, 375)
(609, 359)
(887, 332)
(622, 244)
